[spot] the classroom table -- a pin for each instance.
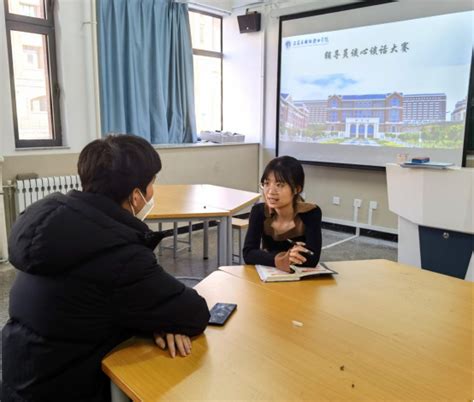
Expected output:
(378, 330)
(202, 202)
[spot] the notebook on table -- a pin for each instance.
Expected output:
(272, 274)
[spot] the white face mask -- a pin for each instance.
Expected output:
(143, 213)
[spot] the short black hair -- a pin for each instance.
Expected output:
(113, 166)
(287, 170)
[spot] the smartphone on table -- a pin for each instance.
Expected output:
(221, 312)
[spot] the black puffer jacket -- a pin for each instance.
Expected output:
(87, 280)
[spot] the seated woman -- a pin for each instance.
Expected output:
(88, 279)
(287, 228)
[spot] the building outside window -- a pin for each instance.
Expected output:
(206, 35)
(33, 56)
(33, 73)
(39, 104)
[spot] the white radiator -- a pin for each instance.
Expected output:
(29, 191)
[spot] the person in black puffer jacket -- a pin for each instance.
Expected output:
(88, 279)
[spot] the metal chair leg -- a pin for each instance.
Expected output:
(190, 235)
(205, 251)
(160, 246)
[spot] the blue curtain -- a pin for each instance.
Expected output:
(146, 70)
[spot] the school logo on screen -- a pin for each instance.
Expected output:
(308, 41)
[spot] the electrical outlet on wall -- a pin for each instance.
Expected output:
(373, 205)
(357, 202)
(336, 200)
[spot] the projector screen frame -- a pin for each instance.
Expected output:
(469, 125)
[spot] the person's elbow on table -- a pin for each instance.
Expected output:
(201, 315)
(197, 314)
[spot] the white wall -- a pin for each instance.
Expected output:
(242, 80)
(224, 5)
(234, 165)
(76, 72)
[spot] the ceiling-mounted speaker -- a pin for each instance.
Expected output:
(249, 22)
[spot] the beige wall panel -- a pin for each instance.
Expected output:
(231, 166)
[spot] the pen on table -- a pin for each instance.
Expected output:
(293, 243)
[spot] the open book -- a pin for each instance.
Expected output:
(272, 274)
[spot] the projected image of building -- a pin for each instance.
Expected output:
(370, 116)
(374, 115)
(293, 116)
(424, 108)
(317, 110)
(365, 116)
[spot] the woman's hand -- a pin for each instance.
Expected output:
(283, 260)
(295, 255)
(173, 342)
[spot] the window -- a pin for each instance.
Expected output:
(394, 115)
(380, 114)
(395, 102)
(33, 73)
(206, 35)
(346, 114)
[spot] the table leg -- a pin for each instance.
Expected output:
(160, 246)
(239, 251)
(117, 395)
(175, 239)
(230, 245)
(223, 241)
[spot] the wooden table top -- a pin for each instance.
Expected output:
(198, 200)
(424, 351)
(404, 303)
